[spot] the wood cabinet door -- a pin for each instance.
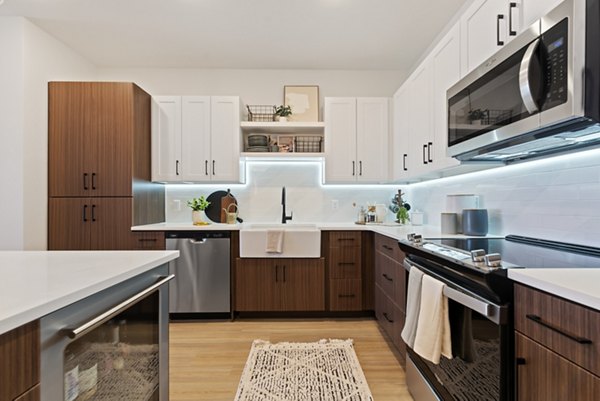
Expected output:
(69, 224)
(257, 285)
(303, 286)
(340, 140)
(195, 138)
(70, 153)
(166, 138)
(546, 376)
(19, 360)
(372, 137)
(112, 139)
(111, 224)
(225, 138)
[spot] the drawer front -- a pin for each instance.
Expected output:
(345, 295)
(32, 395)
(546, 375)
(569, 329)
(390, 318)
(389, 247)
(344, 238)
(345, 263)
(153, 241)
(390, 276)
(19, 360)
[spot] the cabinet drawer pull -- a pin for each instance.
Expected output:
(284, 273)
(276, 275)
(346, 239)
(388, 278)
(93, 181)
(538, 320)
(521, 361)
(498, 41)
(346, 263)
(385, 315)
(347, 296)
(389, 248)
(147, 240)
(85, 181)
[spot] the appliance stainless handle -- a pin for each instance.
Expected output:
(524, 84)
(498, 41)
(197, 241)
(511, 7)
(429, 145)
(404, 162)
(424, 151)
(576, 338)
(484, 308)
(114, 311)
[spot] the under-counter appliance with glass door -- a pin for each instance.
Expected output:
(201, 288)
(480, 299)
(538, 95)
(113, 345)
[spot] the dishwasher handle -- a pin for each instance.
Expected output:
(197, 241)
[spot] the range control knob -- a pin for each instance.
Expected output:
(493, 260)
(417, 239)
(478, 255)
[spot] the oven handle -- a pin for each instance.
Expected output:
(524, 84)
(114, 311)
(493, 312)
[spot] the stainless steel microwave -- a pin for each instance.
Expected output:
(538, 95)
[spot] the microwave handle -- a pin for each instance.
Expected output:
(524, 84)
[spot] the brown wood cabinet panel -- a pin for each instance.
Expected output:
(32, 394)
(368, 271)
(111, 224)
(391, 319)
(303, 284)
(345, 262)
(70, 152)
(564, 317)
(69, 224)
(391, 277)
(344, 238)
(148, 240)
(389, 247)
(546, 376)
(19, 360)
(345, 295)
(256, 286)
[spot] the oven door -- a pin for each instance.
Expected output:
(112, 345)
(482, 345)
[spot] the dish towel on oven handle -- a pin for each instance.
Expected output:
(413, 303)
(433, 328)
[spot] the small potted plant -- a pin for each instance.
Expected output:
(282, 112)
(198, 206)
(402, 215)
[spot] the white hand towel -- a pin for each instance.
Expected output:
(433, 329)
(413, 303)
(274, 241)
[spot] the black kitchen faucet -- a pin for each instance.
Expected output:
(284, 217)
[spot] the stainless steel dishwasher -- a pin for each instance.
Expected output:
(201, 287)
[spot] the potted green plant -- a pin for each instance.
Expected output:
(282, 112)
(402, 215)
(198, 206)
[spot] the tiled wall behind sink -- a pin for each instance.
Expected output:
(260, 197)
(556, 198)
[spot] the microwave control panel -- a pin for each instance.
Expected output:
(555, 43)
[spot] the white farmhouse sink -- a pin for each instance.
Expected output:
(299, 241)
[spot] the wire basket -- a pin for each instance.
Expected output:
(261, 113)
(308, 144)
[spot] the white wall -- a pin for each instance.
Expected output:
(32, 58)
(260, 198)
(557, 199)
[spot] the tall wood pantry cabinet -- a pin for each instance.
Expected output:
(99, 167)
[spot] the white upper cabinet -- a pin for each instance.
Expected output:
(535, 9)
(420, 88)
(401, 136)
(356, 140)
(195, 139)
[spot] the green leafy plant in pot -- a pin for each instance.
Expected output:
(282, 112)
(198, 206)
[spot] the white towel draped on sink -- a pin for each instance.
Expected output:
(274, 241)
(433, 329)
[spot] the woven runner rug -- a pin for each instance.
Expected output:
(327, 370)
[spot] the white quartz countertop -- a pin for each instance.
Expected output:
(36, 283)
(577, 285)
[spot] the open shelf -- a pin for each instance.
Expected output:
(281, 155)
(282, 128)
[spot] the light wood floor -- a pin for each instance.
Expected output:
(207, 358)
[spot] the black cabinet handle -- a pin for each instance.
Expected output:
(93, 212)
(147, 240)
(538, 320)
(276, 275)
(346, 263)
(511, 31)
(284, 273)
(346, 296)
(429, 145)
(498, 41)
(404, 162)
(345, 239)
(389, 248)
(213, 165)
(85, 181)
(424, 151)
(388, 278)
(360, 168)
(176, 167)
(93, 181)
(85, 213)
(521, 361)
(387, 318)
(206, 167)
(353, 168)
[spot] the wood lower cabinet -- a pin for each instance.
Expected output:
(20, 363)
(276, 285)
(345, 270)
(557, 348)
(390, 289)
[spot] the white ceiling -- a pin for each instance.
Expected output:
(245, 34)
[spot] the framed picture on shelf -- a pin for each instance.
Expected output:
(286, 144)
(304, 101)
